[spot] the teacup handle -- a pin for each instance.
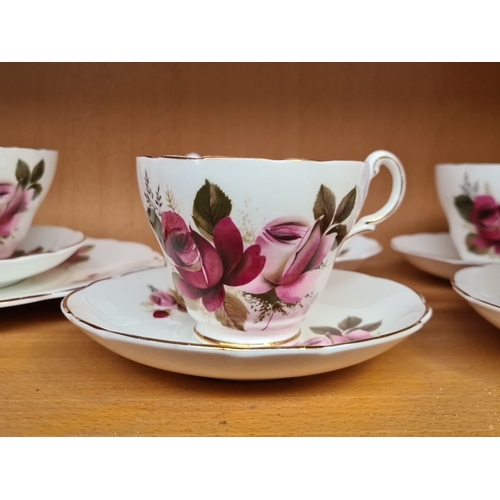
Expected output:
(375, 160)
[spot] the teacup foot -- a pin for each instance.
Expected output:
(244, 340)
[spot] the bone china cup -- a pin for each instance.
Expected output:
(470, 197)
(25, 178)
(251, 242)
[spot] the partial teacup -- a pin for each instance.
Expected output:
(251, 242)
(25, 178)
(469, 194)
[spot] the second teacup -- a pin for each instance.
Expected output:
(251, 242)
(469, 194)
(25, 178)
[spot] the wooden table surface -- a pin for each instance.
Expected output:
(442, 381)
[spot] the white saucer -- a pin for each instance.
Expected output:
(121, 315)
(96, 259)
(355, 251)
(479, 286)
(44, 248)
(433, 253)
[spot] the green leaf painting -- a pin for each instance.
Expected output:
(23, 173)
(210, 206)
(38, 172)
(345, 206)
(37, 188)
(464, 206)
(324, 207)
(341, 231)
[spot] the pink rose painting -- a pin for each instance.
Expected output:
(293, 251)
(482, 212)
(240, 283)
(164, 302)
(16, 198)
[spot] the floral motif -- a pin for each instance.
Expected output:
(293, 251)
(13, 202)
(482, 212)
(238, 282)
(164, 302)
(205, 268)
(15, 198)
(347, 331)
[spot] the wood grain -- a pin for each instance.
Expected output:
(55, 381)
(101, 116)
(442, 381)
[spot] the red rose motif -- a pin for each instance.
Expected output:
(485, 216)
(206, 268)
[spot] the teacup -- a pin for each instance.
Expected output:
(25, 178)
(469, 194)
(251, 242)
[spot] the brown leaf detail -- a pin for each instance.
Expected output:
(233, 313)
(341, 231)
(325, 330)
(345, 206)
(349, 322)
(324, 207)
(38, 172)
(210, 205)
(23, 173)
(471, 246)
(370, 327)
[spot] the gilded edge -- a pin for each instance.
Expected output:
(82, 240)
(475, 299)
(67, 311)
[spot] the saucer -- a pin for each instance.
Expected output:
(43, 248)
(138, 317)
(479, 287)
(355, 251)
(96, 259)
(433, 253)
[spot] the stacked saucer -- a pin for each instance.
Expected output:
(433, 253)
(42, 262)
(469, 254)
(44, 248)
(96, 258)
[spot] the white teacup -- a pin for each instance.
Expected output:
(25, 178)
(251, 242)
(469, 194)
